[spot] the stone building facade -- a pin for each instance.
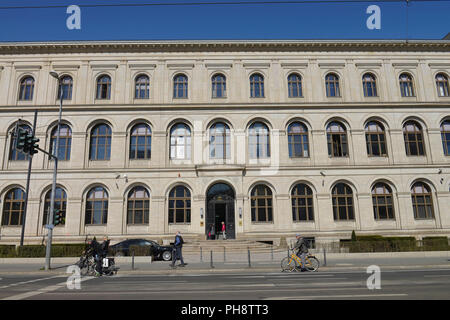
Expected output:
(271, 137)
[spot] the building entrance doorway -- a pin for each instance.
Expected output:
(220, 208)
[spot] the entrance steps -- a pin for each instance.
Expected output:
(229, 245)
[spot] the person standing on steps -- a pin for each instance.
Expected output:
(212, 233)
(224, 231)
(176, 254)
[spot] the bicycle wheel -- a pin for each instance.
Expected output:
(312, 264)
(287, 264)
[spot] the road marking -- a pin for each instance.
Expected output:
(344, 264)
(31, 281)
(251, 285)
(339, 296)
(42, 290)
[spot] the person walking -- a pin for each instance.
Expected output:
(302, 250)
(212, 233)
(224, 231)
(176, 254)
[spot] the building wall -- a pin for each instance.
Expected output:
(238, 110)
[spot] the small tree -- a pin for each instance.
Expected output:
(353, 236)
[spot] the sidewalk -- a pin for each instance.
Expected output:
(239, 262)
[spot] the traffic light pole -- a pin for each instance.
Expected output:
(52, 199)
(30, 160)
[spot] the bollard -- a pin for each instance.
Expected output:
(271, 251)
(201, 254)
(212, 266)
(224, 255)
(324, 257)
(249, 262)
(132, 259)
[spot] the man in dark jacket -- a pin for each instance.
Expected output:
(302, 249)
(176, 254)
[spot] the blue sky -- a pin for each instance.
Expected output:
(427, 20)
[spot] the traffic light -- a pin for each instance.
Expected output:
(57, 218)
(21, 137)
(33, 145)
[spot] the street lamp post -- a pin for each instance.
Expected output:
(55, 172)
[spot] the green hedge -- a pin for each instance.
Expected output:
(376, 243)
(38, 251)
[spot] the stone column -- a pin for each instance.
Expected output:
(118, 147)
(115, 218)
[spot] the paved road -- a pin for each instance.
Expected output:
(395, 284)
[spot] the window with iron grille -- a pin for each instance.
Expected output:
(97, 206)
(261, 204)
(180, 205)
(13, 207)
(342, 198)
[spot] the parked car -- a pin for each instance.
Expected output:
(158, 252)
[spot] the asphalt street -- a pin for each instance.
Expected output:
(395, 284)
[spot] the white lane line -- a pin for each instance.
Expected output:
(251, 285)
(340, 296)
(42, 290)
(31, 281)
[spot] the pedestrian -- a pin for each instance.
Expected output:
(211, 233)
(176, 254)
(224, 231)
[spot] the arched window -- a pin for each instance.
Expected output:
(65, 88)
(14, 154)
(13, 207)
(375, 139)
(337, 140)
(445, 134)
(332, 85)
(369, 85)
(302, 203)
(141, 142)
(219, 141)
(138, 205)
(256, 86)
(219, 86)
(422, 201)
(142, 87)
(180, 205)
(180, 86)
(295, 85)
(259, 141)
(412, 133)
(97, 206)
(104, 88)
(442, 85)
(342, 198)
(65, 142)
(60, 203)
(383, 207)
(100, 142)
(180, 142)
(298, 140)
(26, 89)
(406, 85)
(261, 204)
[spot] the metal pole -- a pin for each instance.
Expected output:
(249, 262)
(30, 160)
(201, 254)
(52, 199)
(212, 265)
(224, 255)
(132, 259)
(271, 251)
(324, 257)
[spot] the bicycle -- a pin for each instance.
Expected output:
(293, 262)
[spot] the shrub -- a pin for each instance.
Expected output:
(7, 251)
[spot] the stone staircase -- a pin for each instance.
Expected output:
(229, 245)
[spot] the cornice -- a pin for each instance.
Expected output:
(221, 46)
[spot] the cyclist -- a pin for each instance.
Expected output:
(302, 250)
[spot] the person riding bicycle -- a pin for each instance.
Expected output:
(302, 250)
(101, 253)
